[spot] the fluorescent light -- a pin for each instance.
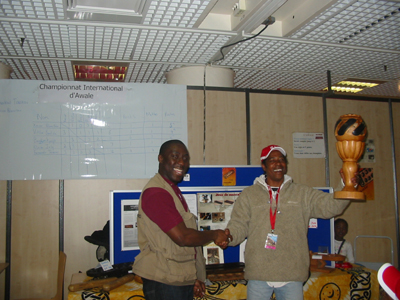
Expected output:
(345, 89)
(353, 85)
(358, 83)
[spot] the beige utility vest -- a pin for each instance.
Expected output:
(160, 259)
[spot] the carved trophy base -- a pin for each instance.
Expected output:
(348, 195)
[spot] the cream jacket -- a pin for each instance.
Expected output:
(250, 219)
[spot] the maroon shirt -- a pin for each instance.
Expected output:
(159, 206)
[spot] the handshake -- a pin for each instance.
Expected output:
(223, 238)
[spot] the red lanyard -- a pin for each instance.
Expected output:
(272, 215)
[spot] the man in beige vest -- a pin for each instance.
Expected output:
(171, 262)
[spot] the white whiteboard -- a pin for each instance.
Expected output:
(73, 130)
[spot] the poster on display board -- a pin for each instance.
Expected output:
(123, 228)
(214, 212)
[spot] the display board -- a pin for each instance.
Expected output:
(119, 253)
(200, 180)
(123, 227)
(73, 130)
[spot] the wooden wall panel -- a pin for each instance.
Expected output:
(34, 245)
(225, 128)
(3, 220)
(375, 217)
(396, 126)
(274, 119)
(195, 107)
(86, 206)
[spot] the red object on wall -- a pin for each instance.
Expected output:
(100, 73)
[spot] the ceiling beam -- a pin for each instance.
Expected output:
(295, 13)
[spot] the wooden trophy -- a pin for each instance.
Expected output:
(350, 133)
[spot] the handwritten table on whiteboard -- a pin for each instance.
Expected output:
(90, 146)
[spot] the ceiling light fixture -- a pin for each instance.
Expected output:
(120, 11)
(90, 71)
(354, 85)
(344, 89)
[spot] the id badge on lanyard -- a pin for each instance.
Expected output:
(272, 239)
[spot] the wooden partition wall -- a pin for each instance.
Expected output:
(3, 218)
(237, 125)
(274, 119)
(225, 129)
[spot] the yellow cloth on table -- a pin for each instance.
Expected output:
(131, 290)
(227, 290)
(356, 283)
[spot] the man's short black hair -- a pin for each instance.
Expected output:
(168, 144)
(337, 221)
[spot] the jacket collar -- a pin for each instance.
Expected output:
(261, 180)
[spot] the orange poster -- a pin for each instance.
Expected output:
(228, 176)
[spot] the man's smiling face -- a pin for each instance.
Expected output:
(275, 167)
(174, 162)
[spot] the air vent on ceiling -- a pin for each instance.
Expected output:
(120, 11)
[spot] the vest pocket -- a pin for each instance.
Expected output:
(185, 266)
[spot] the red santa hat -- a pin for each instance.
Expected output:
(389, 279)
(267, 151)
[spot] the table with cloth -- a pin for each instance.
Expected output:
(232, 289)
(130, 290)
(356, 283)
(340, 284)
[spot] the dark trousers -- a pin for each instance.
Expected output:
(154, 290)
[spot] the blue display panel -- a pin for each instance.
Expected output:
(207, 179)
(203, 176)
(323, 235)
(117, 255)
